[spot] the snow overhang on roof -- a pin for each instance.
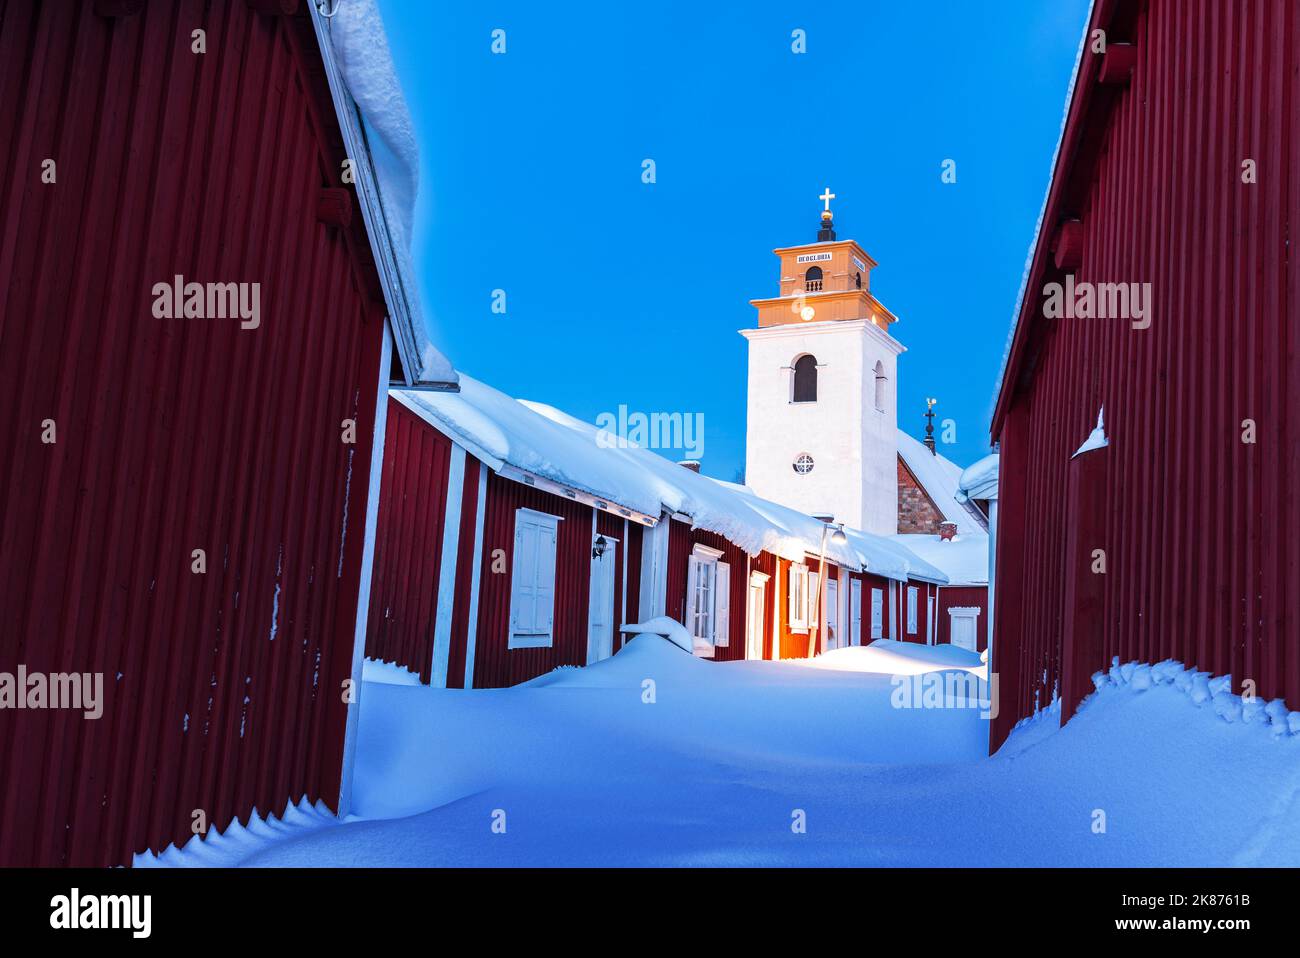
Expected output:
(540, 445)
(979, 480)
(381, 143)
(1076, 102)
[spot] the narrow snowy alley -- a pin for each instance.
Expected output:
(760, 763)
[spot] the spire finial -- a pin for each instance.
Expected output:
(929, 425)
(826, 230)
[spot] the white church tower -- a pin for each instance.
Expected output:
(822, 416)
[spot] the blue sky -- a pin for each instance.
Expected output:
(619, 292)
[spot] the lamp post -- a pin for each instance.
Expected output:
(839, 538)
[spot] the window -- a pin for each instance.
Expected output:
(798, 598)
(880, 386)
(708, 597)
(532, 580)
(803, 464)
(805, 380)
(814, 600)
(911, 610)
(812, 280)
(859, 279)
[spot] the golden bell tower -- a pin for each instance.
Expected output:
(824, 281)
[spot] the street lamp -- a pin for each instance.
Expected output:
(839, 538)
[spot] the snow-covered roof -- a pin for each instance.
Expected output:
(940, 478)
(964, 559)
(545, 442)
(979, 480)
(380, 141)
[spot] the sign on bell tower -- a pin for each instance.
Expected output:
(822, 417)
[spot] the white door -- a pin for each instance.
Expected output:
(600, 608)
(855, 611)
(832, 614)
(963, 625)
(754, 616)
(931, 626)
(877, 613)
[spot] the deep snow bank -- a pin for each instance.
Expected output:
(889, 657)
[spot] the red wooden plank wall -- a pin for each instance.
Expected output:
(681, 540)
(408, 542)
(1201, 532)
(221, 689)
(495, 664)
(963, 596)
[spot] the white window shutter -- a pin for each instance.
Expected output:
(797, 598)
(911, 610)
(877, 613)
(545, 589)
(691, 614)
(722, 606)
(523, 577)
(532, 581)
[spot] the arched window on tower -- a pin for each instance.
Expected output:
(859, 280)
(805, 379)
(880, 385)
(812, 280)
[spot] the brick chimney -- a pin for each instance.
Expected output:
(692, 464)
(947, 530)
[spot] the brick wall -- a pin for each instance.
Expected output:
(916, 510)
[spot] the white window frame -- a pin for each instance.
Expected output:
(539, 631)
(797, 599)
(707, 611)
(855, 621)
(911, 609)
(832, 640)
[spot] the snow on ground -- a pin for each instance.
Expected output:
(654, 757)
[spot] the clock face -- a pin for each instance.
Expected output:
(807, 313)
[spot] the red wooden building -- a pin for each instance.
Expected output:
(184, 501)
(510, 543)
(1178, 176)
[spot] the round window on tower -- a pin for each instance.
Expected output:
(803, 464)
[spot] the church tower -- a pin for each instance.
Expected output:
(822, 418)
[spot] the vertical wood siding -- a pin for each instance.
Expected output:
(408, 542)
(1200, 530)
(681, 540)
(495, 664)
(221, 690)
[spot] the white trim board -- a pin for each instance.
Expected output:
(364, 580)
(471, 634)
(447, 569)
